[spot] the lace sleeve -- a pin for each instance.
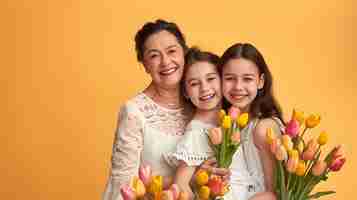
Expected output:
(127, 148)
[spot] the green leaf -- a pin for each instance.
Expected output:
(319, 194)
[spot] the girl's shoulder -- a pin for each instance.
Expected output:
(260, 130)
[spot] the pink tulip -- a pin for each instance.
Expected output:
(127, 192)
(292, 164)
(215, 135)
(235, 137)
(233, 112)
(308, 154)
(319, 168)
(292, 128)
(311, 149)
(337, 164)
(175, 191)
(145, 174)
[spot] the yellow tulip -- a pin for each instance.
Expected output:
(204, 192)
(221, 114)
(138, 187)
(270, 135)
(299, 116)
(312, 121)
(301, 168)
(243, 120)
(300, 146)
(280, 153)
(323, 138)
(202, 177)
(155, 185)
(288, 144)
(227, 122)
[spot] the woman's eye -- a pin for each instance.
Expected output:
(153, 55)
(172, 51)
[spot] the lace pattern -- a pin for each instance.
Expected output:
(168, 121)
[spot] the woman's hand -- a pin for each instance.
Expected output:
(211, 166)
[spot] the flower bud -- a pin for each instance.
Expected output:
(312, 121)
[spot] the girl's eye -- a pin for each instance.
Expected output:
(193, 84)
(211, 78)
(248, 79)
(228, 78)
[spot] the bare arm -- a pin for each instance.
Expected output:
(266, 157)
(183, 177)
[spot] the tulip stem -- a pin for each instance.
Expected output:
(303, 133)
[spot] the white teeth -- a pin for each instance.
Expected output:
(206, 97)
(238, 96)
(167, 72)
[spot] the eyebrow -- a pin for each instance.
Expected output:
(233, 74)
(209, 74)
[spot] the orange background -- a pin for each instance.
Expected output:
(67, 66)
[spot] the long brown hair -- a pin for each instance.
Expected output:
(264, 105)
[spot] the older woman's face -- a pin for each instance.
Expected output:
(164, 59)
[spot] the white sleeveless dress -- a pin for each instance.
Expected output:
(255, 181)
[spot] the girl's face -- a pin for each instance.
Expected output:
(240, 82)
(203, 85)
(164, 59)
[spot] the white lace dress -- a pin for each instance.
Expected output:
(255, 181)
(145, 131)
(194, 148)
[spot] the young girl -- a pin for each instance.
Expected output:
(202, 86)
(247, 85)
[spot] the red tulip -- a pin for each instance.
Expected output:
(337, 164)
(215, 185)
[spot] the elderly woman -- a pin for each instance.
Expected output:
(152, 122)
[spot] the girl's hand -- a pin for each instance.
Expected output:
(211, 166)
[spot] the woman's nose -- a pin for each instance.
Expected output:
(165, 59)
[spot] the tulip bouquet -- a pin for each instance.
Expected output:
(226, 139)
(300, 165)
(149, 187)
(208, 186)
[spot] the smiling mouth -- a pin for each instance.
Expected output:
(207, 97)
(168, 71)
(237, 97)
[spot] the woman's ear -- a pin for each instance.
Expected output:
(261, 81)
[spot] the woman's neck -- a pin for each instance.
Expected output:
(166, 97)
(207, 116)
